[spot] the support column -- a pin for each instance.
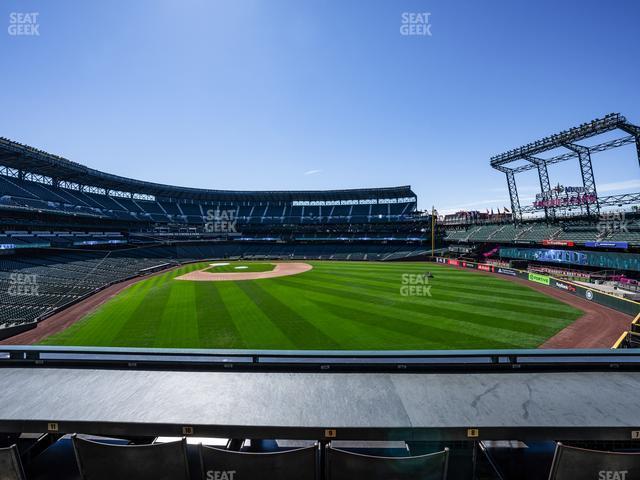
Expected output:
(545, 185)
(513, 195)
(586, 170)
(635, 131)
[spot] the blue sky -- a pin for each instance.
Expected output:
(285, 94)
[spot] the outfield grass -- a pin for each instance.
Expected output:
(337, 305)
(241, 267)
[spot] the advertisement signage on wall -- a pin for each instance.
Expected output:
(620, 304)
(567, 287)
(536, 277)
(602, 260)
(560, 243)
(507, 271)
(622, 245)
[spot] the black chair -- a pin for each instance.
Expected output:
(572, 463)
(10, 464)
(298, 464)
(344, 465)
(100, 461)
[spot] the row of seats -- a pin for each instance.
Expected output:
(59, 239)
(15, 192)
(103, 460)
(31, 286)
(537, 232)
(34, 285)
(98, 461)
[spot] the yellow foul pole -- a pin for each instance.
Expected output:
(433, 230)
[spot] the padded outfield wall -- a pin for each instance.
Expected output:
(604, 260)
(619, 304)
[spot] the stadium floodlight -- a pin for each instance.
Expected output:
(566, 139)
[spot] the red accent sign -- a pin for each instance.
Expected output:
(453, 262)
(566, 201)
(563, 243)
(486, 268)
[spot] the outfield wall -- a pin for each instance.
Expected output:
(603, 260)
(620, 304)
(11, 331)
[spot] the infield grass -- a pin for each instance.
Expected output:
(241, 267)
(337, 305)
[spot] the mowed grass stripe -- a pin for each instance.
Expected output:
(178, 324)
(216, 325)
(427, 306)
(442, 337)
(344, 332)
(425, 314)
(471, 282)
(94, 330)
(352, 308)
(297, 328)
(255, 328)
(143, 322)
(458, 299)
(479, 286)
(336, 305)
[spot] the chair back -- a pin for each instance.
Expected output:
(572, 463)
(298, 464)
(344, 465)
(162, 461)
(10, 464)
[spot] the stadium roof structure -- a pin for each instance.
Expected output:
(566, 139)
(28, 159)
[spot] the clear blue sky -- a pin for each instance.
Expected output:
(291, 94)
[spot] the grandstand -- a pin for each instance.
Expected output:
(32, 180)
(77, 230)
(579, 233)
(69, 232)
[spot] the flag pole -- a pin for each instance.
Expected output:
(433, 234)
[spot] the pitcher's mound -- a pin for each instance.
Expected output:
(280, 270)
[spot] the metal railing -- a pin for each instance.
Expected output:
(305, 360)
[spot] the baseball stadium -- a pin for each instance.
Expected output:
(319, 241)
(118, 262)
(96, 261)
